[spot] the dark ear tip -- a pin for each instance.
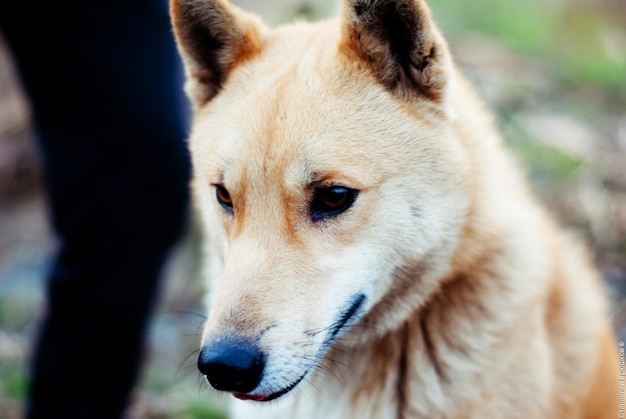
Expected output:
(213, 37)
(398, 42)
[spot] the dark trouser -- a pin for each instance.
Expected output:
(105, 83)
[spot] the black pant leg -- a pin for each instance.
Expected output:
(105, 83)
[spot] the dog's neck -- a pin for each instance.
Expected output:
(437, 354)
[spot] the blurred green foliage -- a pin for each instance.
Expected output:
(583, 42)
(200, 409)
(13, 381)
(546, 163)
(3, 310)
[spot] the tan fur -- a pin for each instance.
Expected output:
(476, 305)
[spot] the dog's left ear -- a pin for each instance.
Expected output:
(398, 42)
(213, 37)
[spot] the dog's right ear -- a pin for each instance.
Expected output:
(213, 37)
(398, 42)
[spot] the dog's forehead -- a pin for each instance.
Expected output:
(296, 110)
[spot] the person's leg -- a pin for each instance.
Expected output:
(105, 86)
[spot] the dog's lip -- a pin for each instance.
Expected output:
(254, 397)
(269, 397)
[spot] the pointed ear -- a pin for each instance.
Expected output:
(397, 41)
(213, 37)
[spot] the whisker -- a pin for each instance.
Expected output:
(185, 360)
(309, 382)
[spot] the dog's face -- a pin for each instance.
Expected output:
(328, 178)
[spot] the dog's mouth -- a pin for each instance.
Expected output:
(272, 396)
(337, 327)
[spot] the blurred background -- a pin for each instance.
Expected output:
(553, 71)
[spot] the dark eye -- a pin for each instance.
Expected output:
(331, 201)
(223, 197)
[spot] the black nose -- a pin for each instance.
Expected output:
(232, 364)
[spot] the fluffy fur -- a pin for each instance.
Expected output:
(474, 303)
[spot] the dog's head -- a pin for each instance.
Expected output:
(327, 174)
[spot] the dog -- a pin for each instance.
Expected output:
(373, 250)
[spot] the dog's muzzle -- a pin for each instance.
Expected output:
(237, 365)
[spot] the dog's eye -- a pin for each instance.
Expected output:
(223, 197)
(331, 201)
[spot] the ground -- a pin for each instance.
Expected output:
(553, 72)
